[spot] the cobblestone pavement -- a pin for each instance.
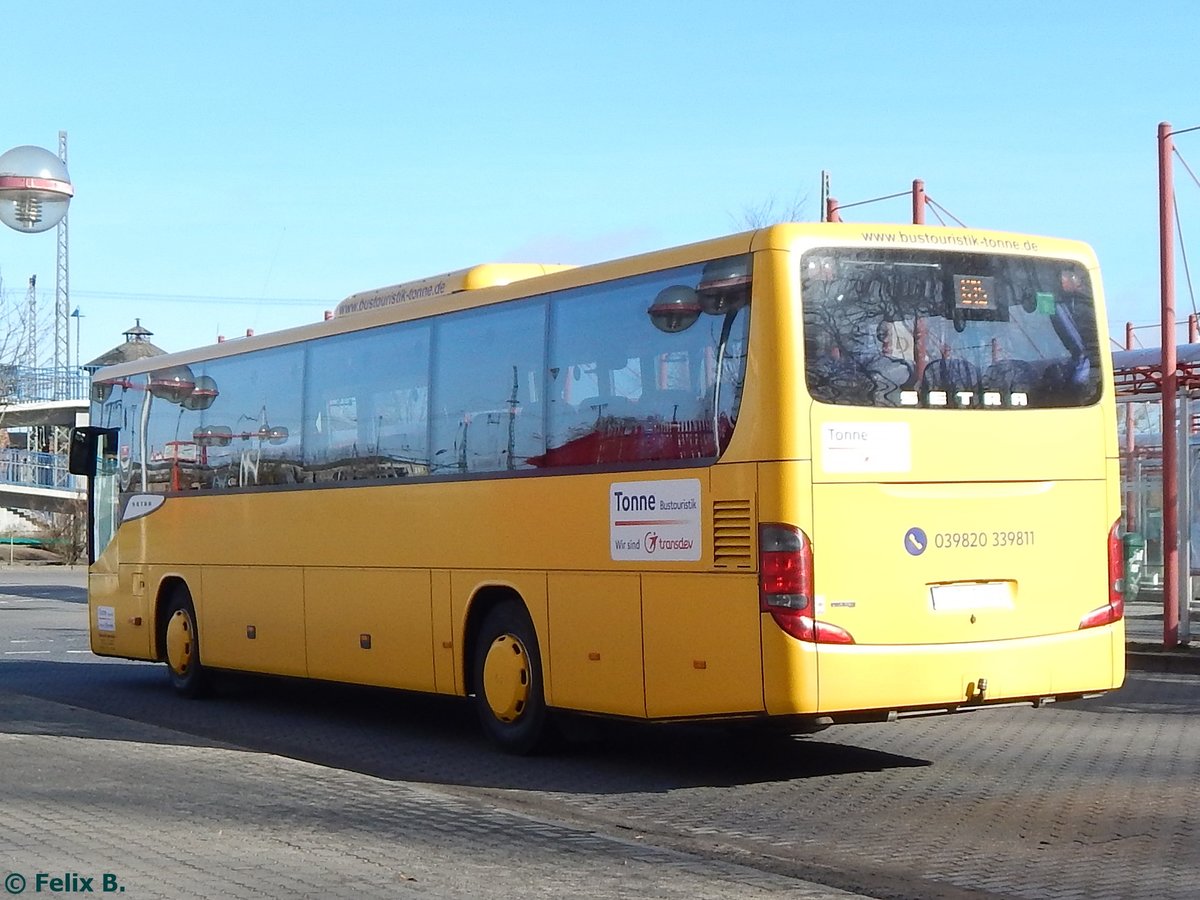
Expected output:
(166, 815)
(1096, 799)
(164, 812)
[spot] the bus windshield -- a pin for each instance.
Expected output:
(938, 329)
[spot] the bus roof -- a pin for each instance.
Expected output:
(470, 279)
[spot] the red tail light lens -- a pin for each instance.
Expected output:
(1115, 610)
(1116, 568)
(785, 567)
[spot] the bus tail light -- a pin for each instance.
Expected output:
(1114, 611)
(785, 582)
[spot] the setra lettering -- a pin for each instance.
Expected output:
(962, 400)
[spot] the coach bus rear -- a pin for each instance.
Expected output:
(940, 531)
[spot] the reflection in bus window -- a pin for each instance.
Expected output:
(622, 389)
(580, 378)
(365, 409)
(954, 330)
(486, 410)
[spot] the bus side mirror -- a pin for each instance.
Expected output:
(85, 440)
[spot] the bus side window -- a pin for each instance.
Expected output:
(487, 366)
(366, 404)
(630, 390)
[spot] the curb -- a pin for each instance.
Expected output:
(1149, 658)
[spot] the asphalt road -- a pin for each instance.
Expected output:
(320, 786)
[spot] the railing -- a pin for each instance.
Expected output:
(26, 384)
(33, 469)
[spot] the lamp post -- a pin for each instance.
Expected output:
(35, 189)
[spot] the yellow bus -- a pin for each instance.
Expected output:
(815, 473)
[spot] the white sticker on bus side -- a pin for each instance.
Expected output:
(850, 447)
(106, 618)
(654, 520)
(141, 505)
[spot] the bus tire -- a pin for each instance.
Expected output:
(181, 644)
(506, 681)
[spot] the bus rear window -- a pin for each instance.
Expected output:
(937, 330)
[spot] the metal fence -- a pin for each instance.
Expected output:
(26, 384)
(34, 469)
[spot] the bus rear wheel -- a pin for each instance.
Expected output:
(182, 645)
(507, 681)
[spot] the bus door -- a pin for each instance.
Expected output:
(93, 453)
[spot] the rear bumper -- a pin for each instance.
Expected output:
(828, 679)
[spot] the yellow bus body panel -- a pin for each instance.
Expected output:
(701, 628)
(596, 642)
(855, 679)
(702, 645)
(123, 592)
(252, 618)
(935, 675)
(790, 682)
(370, 626)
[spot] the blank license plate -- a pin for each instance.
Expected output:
(971, 595)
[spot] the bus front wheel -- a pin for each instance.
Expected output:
(182, 645)
(507, 680)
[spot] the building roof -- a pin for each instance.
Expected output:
(136, 347)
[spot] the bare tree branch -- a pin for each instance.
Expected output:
(772, 211)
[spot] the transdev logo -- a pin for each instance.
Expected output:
(654, 544)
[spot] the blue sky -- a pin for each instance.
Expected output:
(248, 165)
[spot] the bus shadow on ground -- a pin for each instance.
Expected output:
(415, 737)
(420, 738)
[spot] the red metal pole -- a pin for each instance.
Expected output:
(1130, 449)
(1170, 433)
(1193, 328)
(831, 210)
(918, 202)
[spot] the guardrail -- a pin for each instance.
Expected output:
(34, 469)
(26, 384)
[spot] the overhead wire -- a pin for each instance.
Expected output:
(936, 205)
(200, 298)
(1187, 272)
(872, 200)
(1179, 231)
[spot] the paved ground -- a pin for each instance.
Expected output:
(162, 812)
(167, 815)
(283, 788)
